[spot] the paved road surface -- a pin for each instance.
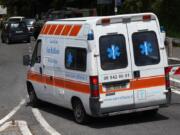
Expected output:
(59, 120)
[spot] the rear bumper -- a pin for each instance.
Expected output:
(97, 111)
(16, 38)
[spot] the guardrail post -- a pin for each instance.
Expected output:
(169, 43)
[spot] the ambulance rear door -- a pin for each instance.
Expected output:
(147, 62)
(114, 67)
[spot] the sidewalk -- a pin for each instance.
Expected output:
(15, 128)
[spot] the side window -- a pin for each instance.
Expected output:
(75, 58)
(146, 48)
(36, 57)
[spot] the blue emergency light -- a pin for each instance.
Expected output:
(162, 28)
(90, 35)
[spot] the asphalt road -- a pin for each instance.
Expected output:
(13, 90)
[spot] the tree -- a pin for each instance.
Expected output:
(169, 14)
(136, 6)
(166, 10)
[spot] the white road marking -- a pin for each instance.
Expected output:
(22, 125)
(5, 126)
(43, 122)
(24, 128)
(12, 112)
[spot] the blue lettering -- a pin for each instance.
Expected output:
(52, 50)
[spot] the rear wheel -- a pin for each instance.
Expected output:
(28, 40)
(79, 112)
(2, 40)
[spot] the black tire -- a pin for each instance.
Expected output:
(80, 115)
(2, 40)
(34, 101)
(7, 40)
(29, 40)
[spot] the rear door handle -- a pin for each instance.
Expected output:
(137, 74)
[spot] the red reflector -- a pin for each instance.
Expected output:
(105, 21)
(146, 17)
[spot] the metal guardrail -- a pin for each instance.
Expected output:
(170, 42)
(173, 61)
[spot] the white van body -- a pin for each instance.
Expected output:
(111, 64)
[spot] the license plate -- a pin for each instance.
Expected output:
(19, 32)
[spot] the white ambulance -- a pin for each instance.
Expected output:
(100, 66)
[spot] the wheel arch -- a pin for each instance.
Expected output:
(75, 98)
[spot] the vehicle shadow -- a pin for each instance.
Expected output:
(126, 119)
(55, 110)
(104, 122)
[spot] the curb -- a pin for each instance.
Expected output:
(22, 125)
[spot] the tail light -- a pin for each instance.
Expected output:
(167, 70)
(94, 85)
(146, 17)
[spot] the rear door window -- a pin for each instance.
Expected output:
(146, 50)
(18, 26)
(113, 53)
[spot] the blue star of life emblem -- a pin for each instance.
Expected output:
(69, 59)
(146, 48)
(113, 52)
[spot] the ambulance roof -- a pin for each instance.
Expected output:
(95, 19)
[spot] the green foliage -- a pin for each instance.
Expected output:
(136, 6)
(169, 14)
(166, 10)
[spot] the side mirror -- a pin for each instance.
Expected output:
(26, 60)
